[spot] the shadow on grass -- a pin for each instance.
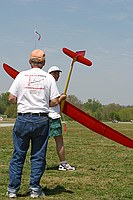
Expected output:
(57, 190)
(53, 167)
(49, 192)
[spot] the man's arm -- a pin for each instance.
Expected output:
(54, 102)
(12, 98)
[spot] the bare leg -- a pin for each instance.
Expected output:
(61, 154)
(60, 147)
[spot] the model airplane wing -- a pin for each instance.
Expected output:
(95, 125)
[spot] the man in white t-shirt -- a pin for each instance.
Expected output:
(56, 126)
(33, 90)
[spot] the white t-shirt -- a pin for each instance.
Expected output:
(34, 89)
(54, 112)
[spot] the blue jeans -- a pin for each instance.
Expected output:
(28, 129)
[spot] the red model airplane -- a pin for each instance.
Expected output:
(85, 119)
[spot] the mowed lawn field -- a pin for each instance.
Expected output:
(104, 168)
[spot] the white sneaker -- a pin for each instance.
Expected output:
(34, 194)
(11, 195)
(64, 167)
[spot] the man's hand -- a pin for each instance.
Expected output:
(62, 97)
(12, 98)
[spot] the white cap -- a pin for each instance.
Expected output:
(53, 69)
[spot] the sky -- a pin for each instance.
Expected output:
(103, 28)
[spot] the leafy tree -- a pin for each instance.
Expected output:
(92, 105)
(114, 115)
(75, 101)
(11, 111)
(98, 115)
(3, 102)
(126, 114)
(110, 111)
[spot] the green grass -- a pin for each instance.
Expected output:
(104, 168)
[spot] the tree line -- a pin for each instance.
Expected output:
(92, 107)
(101, 112)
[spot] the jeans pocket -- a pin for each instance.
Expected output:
(20, 128)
